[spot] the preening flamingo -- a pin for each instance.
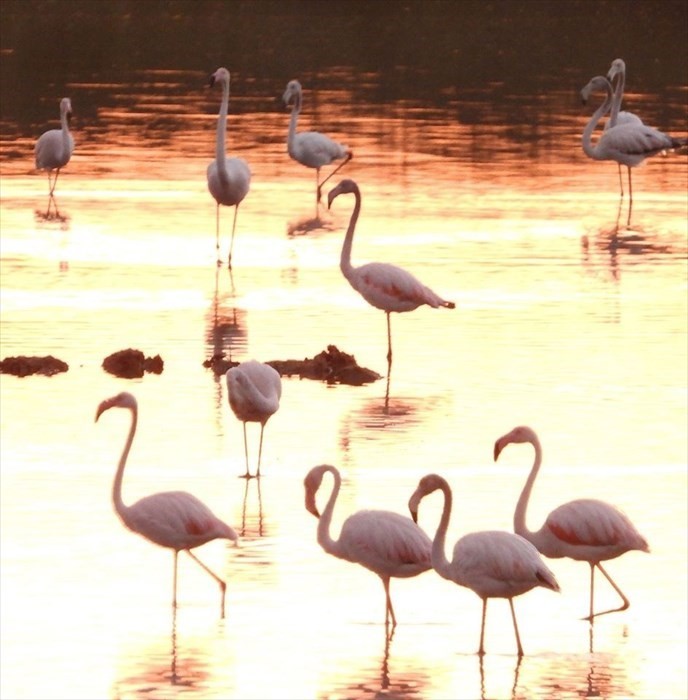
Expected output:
(585, 529)
(54, 148)
(253, 390)
(173, 519)
(311, 148)
(628, 144)
(387, 543)
(382, 285)
(492, 563)
(229, 179)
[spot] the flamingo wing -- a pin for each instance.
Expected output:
(314, 149)
(631, 142)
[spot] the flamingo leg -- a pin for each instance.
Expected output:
(231, 242)
(223, 585)
(334, 172)
(389, 342)
(174, 582)
(518, 636)
(260, 448)
(630, 196)
(217, 234)
(247, 475)
(389, 611)
(626, 603)
(620, 180)
(481, 650)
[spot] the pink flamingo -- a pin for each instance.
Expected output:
(229, 179)
(585, 529)
(387, 543)
(492, 563)
(311, 148)
(382, 285)
(254, 390)
(173, 519)
(54, 148)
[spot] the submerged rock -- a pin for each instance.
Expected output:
(23, 365)
(331, 365)
(132, 363)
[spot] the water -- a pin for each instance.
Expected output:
(566, 320)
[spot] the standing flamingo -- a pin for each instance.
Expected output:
(382, 285)
(492, 563)
(229, 179)
(54, 148)
(585, 529)
(387, 543)
(311, 148)
(254, 390)
(173, 519)
(628, 144)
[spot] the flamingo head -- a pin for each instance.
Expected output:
(66, 107)
(428, 484)
(221, 75)
(122, 400)
(519, 434)
(311, 484)
(599, 82)
(618, 67)
(292, 94)
(344, 187)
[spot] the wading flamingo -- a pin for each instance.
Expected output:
(628, 144)
(311, 148)
(382, 285)
(229, 179)
(492, 563)
(173, 519)
(254, 390)
(387, 543)
(585, 529)
(54, 148)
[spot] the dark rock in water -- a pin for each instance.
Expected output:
(23, 365)
(132, 363)
(331, 365)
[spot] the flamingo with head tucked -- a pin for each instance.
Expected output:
(387, 543)
(492, 563)
(382, 285)
(585, 529)
(173, 519)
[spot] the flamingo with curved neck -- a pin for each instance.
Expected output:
(386, 543)
(584, 529)
(173, 519)
(492, 563)
(229, 179)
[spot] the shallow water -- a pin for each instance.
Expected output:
(566, 319)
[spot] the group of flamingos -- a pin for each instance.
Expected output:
(493, 564)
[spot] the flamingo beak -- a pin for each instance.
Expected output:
(497, 450)
(311, 506)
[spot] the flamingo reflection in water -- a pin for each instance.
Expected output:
(254, 390)
(493, 564)
(384, 286)
(311, 148)
(229, 179)
(584, 529)
(387, 543)
(54, 149)
(173, 519)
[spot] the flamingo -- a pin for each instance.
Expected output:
(311, 148)
(54, 148)
(387, 543)
(254, 390)
(229, 179)
(585, 529)
(492, 563)
(628, 143)
(173, 519)
(382, 285)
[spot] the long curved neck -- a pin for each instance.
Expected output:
(345, 259)
(295, 111)
(64, 121)
(618, 98)
(439, 558)
(520, 527)
(588, 148)
(121, 509)
(220, 157)
(324, 538)
(266, 405)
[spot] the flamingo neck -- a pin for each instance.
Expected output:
(588, 148)
(121, 509)
(439, 558)
(220, 157)
(295, 111)
(64, 122)
(520, 527)
(345, 259)
(324, 538)
(618, 98)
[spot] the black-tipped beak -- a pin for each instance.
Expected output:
(211, 81)
(414, 516)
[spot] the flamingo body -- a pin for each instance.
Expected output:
(584, 530)
(229, 179)
(491, 563)
(386, 543)
(384, 286)
(254, 390)
(173, 519)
